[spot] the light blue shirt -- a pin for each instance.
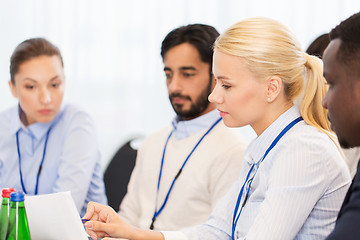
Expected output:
(184, 129)
(296, 193)
(72, 158)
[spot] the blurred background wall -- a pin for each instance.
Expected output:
(111, 49)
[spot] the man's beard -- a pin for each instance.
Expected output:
(196, 108)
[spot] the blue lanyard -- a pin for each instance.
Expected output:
(41, 163)
(157, 212)
(249, 181)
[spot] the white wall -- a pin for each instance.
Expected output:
(111, 49)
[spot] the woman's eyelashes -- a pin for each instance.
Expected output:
(29, 86)
(56, 84)
(226, 86)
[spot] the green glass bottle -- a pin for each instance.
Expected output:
(18, 227)
(5, 212)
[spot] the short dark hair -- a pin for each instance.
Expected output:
(317, 47)
(348, 31)
(29, 49)
(201, 36)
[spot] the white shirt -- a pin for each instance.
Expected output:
(296, 192)
(207, 176)
(352, 156)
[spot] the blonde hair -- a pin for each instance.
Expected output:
(270, 49)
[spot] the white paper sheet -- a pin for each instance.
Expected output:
(54, 217)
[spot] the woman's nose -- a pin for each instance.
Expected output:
(45, 96)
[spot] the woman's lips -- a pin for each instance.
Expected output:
(44, 111)
(222, 114)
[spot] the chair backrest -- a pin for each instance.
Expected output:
(117, 174)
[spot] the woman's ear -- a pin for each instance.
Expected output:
(274, 87)
(12, 89)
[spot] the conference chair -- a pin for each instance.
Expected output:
(118, 172)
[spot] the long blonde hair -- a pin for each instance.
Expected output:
(270, 49)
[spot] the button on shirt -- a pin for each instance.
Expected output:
(296, 193)
(72, 158)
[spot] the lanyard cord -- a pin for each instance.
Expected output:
(157, 212)
(249, 181)
(41, 163)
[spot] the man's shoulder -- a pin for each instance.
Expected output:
(158, 134)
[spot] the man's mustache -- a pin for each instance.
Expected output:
(178, 95)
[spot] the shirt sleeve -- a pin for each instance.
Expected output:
(78, 159)
(174, 235)
(219, 224)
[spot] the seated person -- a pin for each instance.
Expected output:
(293, 177)
(45, 146)
(317, 48)
(158, 196)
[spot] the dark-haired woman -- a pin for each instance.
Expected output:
(45, 145)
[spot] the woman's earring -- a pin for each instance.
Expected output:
(268, 99)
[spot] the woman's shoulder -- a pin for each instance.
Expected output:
(315, 144)
(70, 111)
(72, 114)
(73, 109)
(7, 117)
(307, 134)
(310, 147)
(309, 142)
(9, 112)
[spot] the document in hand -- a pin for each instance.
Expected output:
(54, 216)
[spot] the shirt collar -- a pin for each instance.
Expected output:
(37, 130)
(257, 148)
(184, 129)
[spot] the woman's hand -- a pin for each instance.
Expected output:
(105, 222)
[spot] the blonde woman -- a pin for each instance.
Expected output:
(293, 178)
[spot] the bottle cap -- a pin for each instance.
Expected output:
(17, 197)
(6, 192)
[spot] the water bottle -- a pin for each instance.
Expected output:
(5, 212)
(18, 227)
